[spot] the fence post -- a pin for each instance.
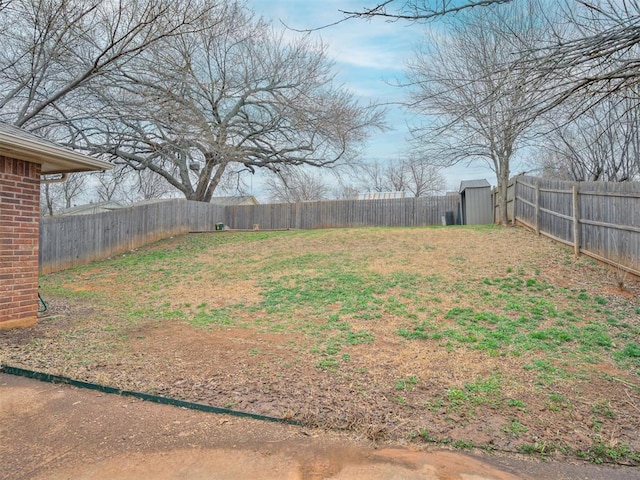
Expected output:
(514, 221)
(576, 219)
(538, 207)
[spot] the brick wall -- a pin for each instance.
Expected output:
(19, 220)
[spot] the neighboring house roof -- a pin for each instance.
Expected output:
(21, 145)
(90, 208)
(474, 184)
(151, 201)
(379, 195)
(239, 200)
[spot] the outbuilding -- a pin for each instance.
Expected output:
(475, 202)
(24, 159)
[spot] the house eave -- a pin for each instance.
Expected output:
(52, 158)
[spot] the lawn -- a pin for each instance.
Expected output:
(483, 337)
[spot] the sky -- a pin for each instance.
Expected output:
(370, 58)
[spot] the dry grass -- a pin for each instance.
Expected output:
(481, 336)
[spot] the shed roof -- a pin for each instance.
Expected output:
(474, 184)
(22, 145)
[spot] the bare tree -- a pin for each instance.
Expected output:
(413, 174)
(49, 199)
(424, 178)
(345, 191)
(601, 144)
(112, 184)
(150, 186)
(475, 109)
(596, 56)
(296, 184)
(235, 94)
(54, 49)
(371, 176)
(57, 196)
(417, 10)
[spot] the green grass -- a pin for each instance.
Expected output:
(352, 304)
(514, 428)
(407, 384)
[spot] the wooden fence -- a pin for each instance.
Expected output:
(79, 239)
(599, 219)
(403, 212)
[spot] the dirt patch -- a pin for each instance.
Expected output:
(489, 338)
(60, 432)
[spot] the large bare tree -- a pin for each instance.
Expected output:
(54, 50)
(235, 94)
(474, 109)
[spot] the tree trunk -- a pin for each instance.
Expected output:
(503, 192)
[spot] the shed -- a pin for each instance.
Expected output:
(24, 157)
(475, 202)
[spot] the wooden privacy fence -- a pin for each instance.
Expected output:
(599, 219)
(79, 239)
(403, 212)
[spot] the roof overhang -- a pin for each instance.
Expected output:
(21, 145)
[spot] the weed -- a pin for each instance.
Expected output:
(330, 364)
(630, 352)
(217, 316)
(600, 300)
(512, 402)
(463, 444)
(435, 404)
(611, 451)
(514, 427)
(358, 338)
(418, 332)
(406, 384)
(541, 448)
(558, 402)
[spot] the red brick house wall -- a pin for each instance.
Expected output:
(19, 225)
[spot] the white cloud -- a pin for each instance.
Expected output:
(369, 56)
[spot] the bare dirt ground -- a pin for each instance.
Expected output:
(231, 323)
(56, 432)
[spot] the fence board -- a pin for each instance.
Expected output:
(605, 225)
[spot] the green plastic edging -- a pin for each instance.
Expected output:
(49, 378)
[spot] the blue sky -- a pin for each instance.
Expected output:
(369, 57)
